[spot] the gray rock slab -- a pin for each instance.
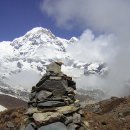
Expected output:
(54, 126)
(67, 109)
(68, 120)
(76, 118)
(43, 95)
(31, 110)
(57, 87)
(51, 104)
(47, 117)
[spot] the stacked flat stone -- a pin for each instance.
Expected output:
(52, 104)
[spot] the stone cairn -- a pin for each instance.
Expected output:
(52, 104)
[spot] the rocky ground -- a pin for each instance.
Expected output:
(110, 114)
(12, 119)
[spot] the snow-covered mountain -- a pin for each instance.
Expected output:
(23, 61)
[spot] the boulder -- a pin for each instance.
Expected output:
(68, 120)
(56, 99)
(54, 67)
(68, 100)
(72, 84)
(47, 117)
(50, 104)
(57, 87)
(54, 126)
(81, 112)
(43, 95)
(76, 118)
(70, 90)
(67, 109)
(31, 110)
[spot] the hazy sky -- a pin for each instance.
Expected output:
(19, 16)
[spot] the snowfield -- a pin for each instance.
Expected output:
(2, 108)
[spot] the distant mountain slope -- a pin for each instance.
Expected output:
(10, 102)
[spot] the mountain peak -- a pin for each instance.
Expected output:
(40, 31)
(73, 39)
(37, 29)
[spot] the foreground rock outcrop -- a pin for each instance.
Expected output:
(52, 104)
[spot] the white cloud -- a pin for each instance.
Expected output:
(90, 48)
(104, 16)
(98, 14)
